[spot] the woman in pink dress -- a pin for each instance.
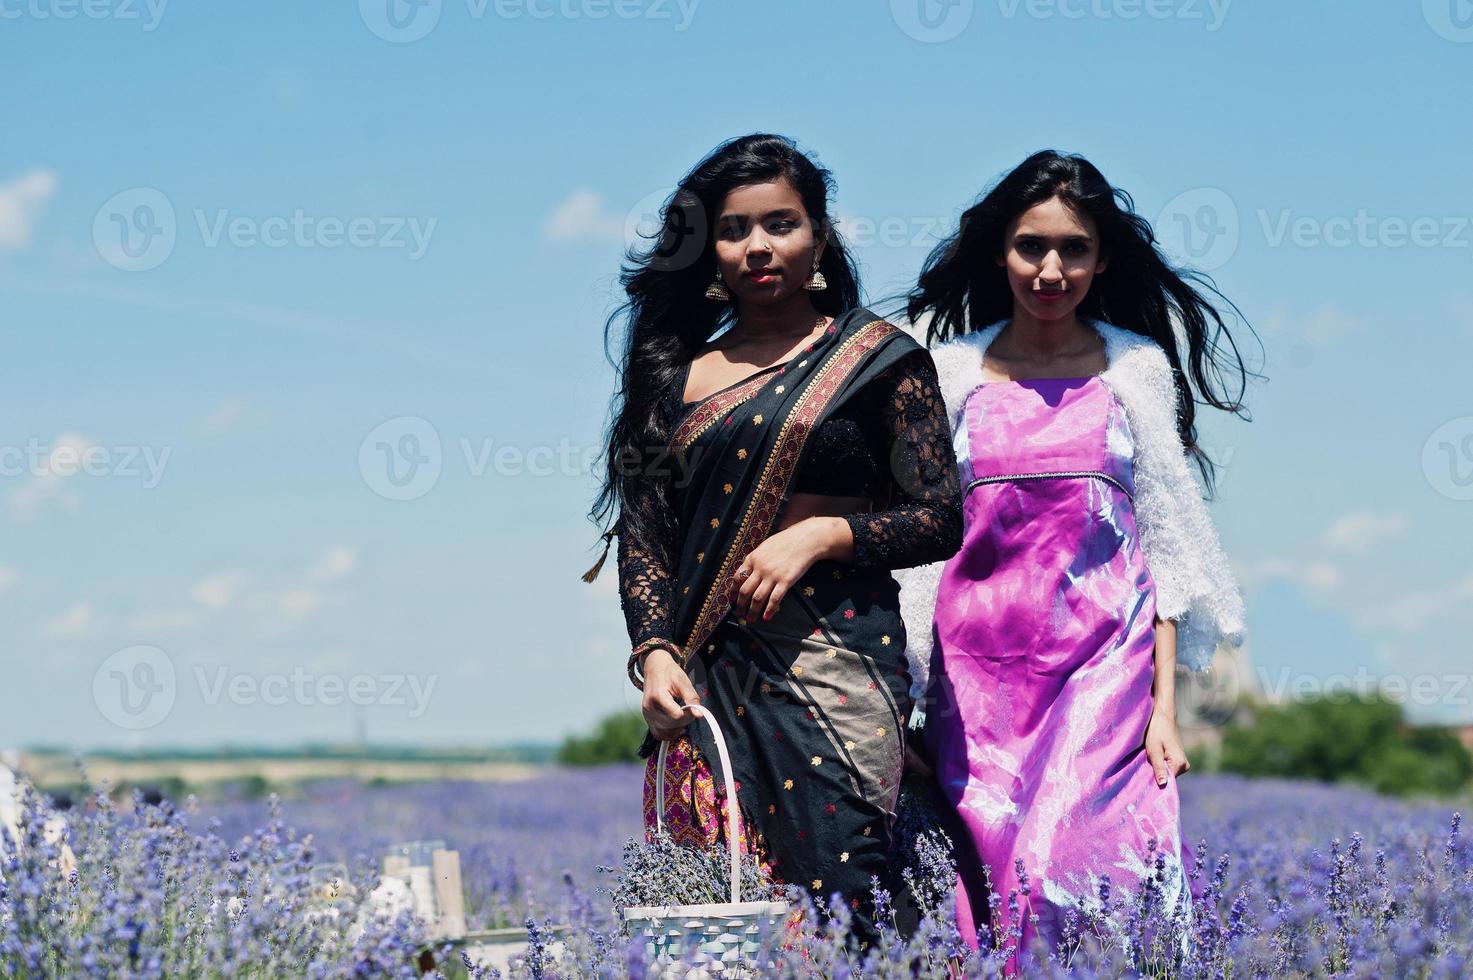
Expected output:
(1046, 649)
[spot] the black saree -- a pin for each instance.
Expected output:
(813, 703)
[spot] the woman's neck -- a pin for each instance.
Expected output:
(786, 319)
(1029, 338)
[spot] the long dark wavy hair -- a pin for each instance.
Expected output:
(667, 317)
(964, 289)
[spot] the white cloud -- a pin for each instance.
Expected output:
(1351, 533)
(1316, 576)
(581, 217)
(73, 623)
(229, 415)
(218, 590)
(1410, 612)
(274, 613)
(1320, 575)
(9, 575)
(272, 605)
(1359, 530)
(333, 563)
(298, 602)
(21, 203)
(47, 482)
(240, 603)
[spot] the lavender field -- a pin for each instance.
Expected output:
(1297, 880)
(519, 841)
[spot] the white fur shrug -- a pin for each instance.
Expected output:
(1194, 584)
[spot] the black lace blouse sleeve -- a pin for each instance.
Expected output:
(647, 586)
(922, 521)
(645, 590)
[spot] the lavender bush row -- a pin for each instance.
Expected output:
(518, 840)
(140, 894)
(1274, 905)
(1293, 879)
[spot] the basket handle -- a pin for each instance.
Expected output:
(731, 797)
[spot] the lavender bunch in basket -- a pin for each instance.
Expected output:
(663, 872)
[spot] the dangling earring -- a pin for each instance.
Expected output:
(816, 283)
(717, 290)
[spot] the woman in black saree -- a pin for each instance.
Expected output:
(767, 481)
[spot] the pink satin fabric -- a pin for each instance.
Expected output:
(1044, 659)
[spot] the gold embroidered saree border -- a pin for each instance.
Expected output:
(781, 462)
(712, 409)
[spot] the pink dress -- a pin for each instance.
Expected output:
(1043, 662)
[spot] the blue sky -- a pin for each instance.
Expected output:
(353, 234)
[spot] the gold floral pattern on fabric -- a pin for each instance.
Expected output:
(710, 411)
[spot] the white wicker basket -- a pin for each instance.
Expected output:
(724, 935)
